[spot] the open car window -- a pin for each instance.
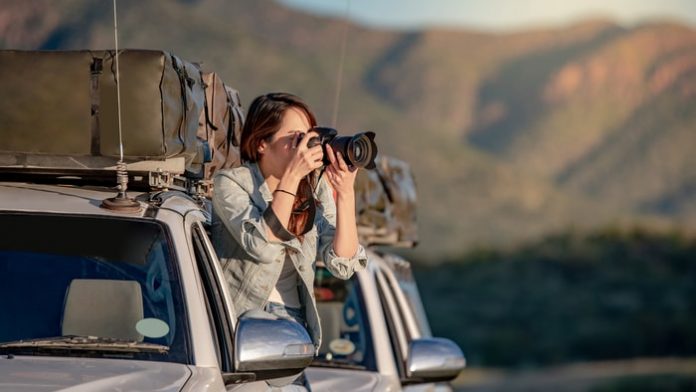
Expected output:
(346, 335)
(90, 286)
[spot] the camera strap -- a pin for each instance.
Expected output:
(309, 205)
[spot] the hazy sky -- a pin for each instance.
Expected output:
(497, 14)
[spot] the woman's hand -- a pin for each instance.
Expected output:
(305, 159)
(342, 178)
(340, 175)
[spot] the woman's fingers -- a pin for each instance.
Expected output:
(316, 154)
(330, 153)
(336, 158)
(296, 140)
(312, 158)
(333, 176)
(316, 151)
(341, 163)
(302, 143)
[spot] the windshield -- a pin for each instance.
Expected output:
(110, 282)
(346, 339)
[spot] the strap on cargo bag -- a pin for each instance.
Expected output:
(95, 70)
(183, 82)
(235, 119)
(208, 121)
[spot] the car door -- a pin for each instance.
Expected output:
(246, 341)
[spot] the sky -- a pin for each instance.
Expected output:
(497, 14)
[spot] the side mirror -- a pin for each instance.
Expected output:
(271, 347)
(433, 360)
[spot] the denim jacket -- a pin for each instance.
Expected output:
(252, 262)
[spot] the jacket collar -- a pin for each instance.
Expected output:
(257, 176)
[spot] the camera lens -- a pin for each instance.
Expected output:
(359, 150)
(358, 146)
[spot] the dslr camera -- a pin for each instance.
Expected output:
(358, 150)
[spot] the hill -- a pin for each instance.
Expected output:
(511, 136)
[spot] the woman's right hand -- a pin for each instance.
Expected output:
(305, 159)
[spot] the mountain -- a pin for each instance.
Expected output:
(511, 135)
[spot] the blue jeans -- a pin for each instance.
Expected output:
(293, 314)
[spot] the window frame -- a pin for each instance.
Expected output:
(216, 296)
(395, 328)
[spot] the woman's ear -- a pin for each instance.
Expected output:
(262, 147)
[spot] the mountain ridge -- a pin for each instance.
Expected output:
(511, 135)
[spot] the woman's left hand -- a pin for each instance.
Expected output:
(340, 175)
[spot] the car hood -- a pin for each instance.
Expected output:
(23, 373)
(334, 379)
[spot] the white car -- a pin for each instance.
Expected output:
(375, 333)
(99, 299)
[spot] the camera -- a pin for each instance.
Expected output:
(358, 150)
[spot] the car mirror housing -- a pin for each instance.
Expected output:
(433, 360)
(271, 347)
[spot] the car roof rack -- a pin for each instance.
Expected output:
(140, 180)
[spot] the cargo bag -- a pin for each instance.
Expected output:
(59, 109)
(386, 204)
(220, 125)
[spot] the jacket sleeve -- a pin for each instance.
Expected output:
(245, 222)
(340, 267)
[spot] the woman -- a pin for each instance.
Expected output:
(273, 217)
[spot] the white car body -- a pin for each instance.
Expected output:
(394, 318)
(208, 366)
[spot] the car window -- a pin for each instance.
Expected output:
(395, 325)
(404, 276)
(108, 278)
(410, 289)
(346, 335)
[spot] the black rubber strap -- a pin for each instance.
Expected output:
(208, 121)
(95, 71)
(276, 227)
(180, 70)
(234, 120)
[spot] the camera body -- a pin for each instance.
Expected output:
(358, 150)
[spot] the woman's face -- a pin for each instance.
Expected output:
(278, 151)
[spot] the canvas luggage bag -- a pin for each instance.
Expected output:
(386, 204)
(59, 109)
(220, 124)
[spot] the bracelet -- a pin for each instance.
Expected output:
(284, 191)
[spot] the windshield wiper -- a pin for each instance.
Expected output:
(336, 363)
(73, 342)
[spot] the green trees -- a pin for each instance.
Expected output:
(607, 295)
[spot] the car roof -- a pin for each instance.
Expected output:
(17, 196)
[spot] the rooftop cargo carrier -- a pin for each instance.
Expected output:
(58, 110)
(386, 202)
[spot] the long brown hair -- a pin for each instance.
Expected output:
(262, 122)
